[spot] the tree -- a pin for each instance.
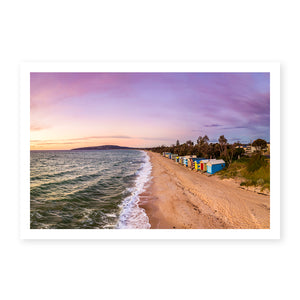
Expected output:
(189, 143)
(213, 151)
(233, 153)
(202, 140)
(230, 153)
(202, 146)
(259, 144)
(183, 149)
(222, 143)
(177, 143)
(238, 152)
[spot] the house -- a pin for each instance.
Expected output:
(250, 149)
(247, 148)
(214, 166)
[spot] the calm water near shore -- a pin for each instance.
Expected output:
(88, 189)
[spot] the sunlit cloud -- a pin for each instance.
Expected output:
(146, 109)
(38, 127)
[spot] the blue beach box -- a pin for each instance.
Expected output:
(214, 166)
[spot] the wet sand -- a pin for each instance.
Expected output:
(178, 197)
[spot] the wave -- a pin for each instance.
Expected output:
(72, 180)
(95, 191)
(132, 216)
(53, 175)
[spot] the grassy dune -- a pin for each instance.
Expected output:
(253, 171)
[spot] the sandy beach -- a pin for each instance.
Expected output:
(178, 197)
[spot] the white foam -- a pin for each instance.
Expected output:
(132, 216)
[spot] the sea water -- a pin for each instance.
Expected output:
(88, 189)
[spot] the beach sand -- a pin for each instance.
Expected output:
(177, 197)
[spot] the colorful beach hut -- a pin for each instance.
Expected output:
(178, 159)
(197, 163)
(168, 154)
(214, 166)
(174, 156)
(192, 161)
(203, 164)
(186, 159)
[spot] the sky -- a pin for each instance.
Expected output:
(70, 110)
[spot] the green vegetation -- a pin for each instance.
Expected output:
(254, 171)
(202, 148)
(259, 144)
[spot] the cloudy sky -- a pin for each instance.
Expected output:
(70, 110)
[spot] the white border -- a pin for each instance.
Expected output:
(27, 233)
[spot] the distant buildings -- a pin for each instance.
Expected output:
(249, 149)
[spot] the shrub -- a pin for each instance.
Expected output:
(256, 162)
(260, 181)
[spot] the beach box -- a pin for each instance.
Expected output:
(186, 159)
(203, 163)
(168, 154)
(197, 163)
(174, 156)
(192, 161)
(214, 166)
(178, 159)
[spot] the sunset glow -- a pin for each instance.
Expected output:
(70, 110)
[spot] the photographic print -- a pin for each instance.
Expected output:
(149, 151)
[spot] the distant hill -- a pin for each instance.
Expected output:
(105, 147)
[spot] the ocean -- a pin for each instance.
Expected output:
(88, 189)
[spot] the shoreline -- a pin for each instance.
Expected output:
(132, 214)
(179, 198)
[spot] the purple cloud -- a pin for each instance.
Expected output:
(151, 106)
(213, 125)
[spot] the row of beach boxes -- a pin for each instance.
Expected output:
(210, 166)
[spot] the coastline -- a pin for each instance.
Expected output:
(180, 198)
(132, 214)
